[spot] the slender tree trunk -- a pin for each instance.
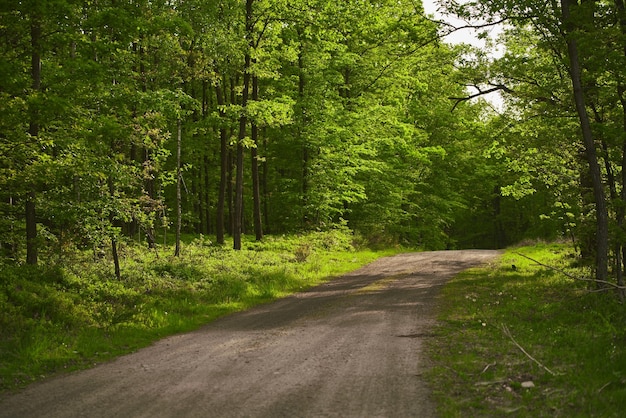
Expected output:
(256, 187)
(13, 246)
(243, 121)
(264, 189)
(613, 194)
(31, 230)
(230, 189)
(621, 93)
(238, 216)
(116, 259)
(230, 186)
(179, 211)
(114, 252)
(305, 145)
(30, 207)
(149, 186)
(621, 212)
(198, 181)
(602, 219)
(207, 197)
(221, 197)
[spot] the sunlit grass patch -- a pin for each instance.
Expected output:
(521, 339)
(75, 315)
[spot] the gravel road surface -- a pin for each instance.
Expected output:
(349, 348)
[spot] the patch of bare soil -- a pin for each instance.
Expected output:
(349, 348)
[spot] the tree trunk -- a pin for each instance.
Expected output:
(207, 197)
(305, 145)
(243, 121)
(116, 259)
(602, 219)
(149, 188)
(31, 230)
(179, 212)
(621, 212)
(114, 253)
(197, 193)
(238, 216)
(221, 197)
(256, 188)
(30, 209)
(620, 5)
(264, 190)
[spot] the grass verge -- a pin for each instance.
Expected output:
(76, 314)
(518, 339)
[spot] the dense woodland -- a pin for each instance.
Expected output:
(130, 120)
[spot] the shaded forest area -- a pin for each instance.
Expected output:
(131, 120)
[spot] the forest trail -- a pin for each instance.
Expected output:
(349, 348)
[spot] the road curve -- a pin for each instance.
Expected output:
(349, 348)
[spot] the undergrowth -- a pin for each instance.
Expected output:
(76, 314)
(519, 339)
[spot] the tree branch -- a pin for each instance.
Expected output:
(572, 276)
(496, 87)
(506, 331)
(453, 28)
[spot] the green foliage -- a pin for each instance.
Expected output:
(353, 113)
(549, 105)
(574, 336)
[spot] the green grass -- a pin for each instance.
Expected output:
(576, 337)
(76, 314)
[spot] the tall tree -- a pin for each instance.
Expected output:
(575, 69)
(33, 130)
(568, 31)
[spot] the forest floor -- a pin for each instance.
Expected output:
(352, 347)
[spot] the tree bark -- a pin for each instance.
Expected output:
(114, 252)
(230, 184)
(221, 197)
(621, 92)
(199, 196)
(256, 187)
(264, 190)
(33, 130)
(243, 121)
(116, 259)
(31, 230)
(238, 216)
(179, 212)
(602, 219)
(305, 145)
(207, 197)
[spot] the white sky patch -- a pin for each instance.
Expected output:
(467, 36)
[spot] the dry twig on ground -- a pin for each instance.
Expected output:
(506, 331)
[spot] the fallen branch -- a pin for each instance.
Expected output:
(495, 382)
(508, 334)
(616, 286)
(487, 367)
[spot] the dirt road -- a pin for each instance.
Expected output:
(349, 348)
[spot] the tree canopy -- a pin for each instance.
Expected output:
(122, 120)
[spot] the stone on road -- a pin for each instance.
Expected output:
(349, 348)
